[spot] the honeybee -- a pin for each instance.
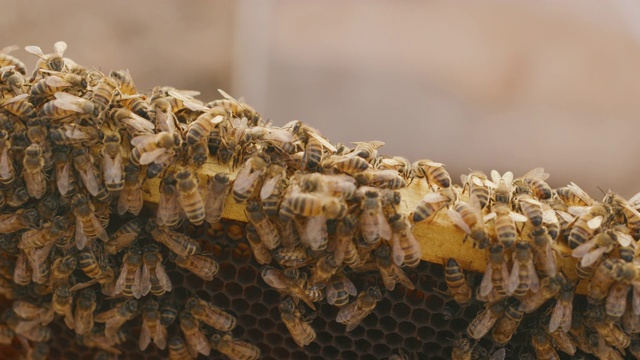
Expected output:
(83, 163)
(178, 349)
(115, 317)
(179, 243)
(104, 91)
(608, 330)
(135, 124)
(271, 190)
(8, 60)
(152, 328)
(18, 220)
(168, 213)
(549, 287)
(373, 223)
(433, 172)
(131, 196)
(468, 217)
(602, 243)
(587, 222)
(531, 208)
(50, 232)
(601, 281)
(234, 349)
(563, 341)
(13, 81)
(313, 154)
(42, 315)
(201, 127)
(347, 164)
(385, 179)
(125, 81)
(300, 330)
(621, 209)
(20, 106)
(405, 249)
(83, 313)
(339, 287)
(507, 325)
(367, 150)
(88, 227)
(287, 283)
(341, 185)
(542, 345)
(462, 349)
(136, 104)
(541, 245)
(616, 303)
(98, 271)
(505, 224)
(61, 270)
(485, 320)
(561, 313)
(130, 277)
(310, 204)
(389, 271)
(457, 283)
(199, 265)
(345, 250)
(478, 185)
(497, 275)
(97, 339)
(112, 165)
(65, 105)
(535, 180)
(397, 163)
(61, 303)
(248, 178)
(154, 277)
(189, 197)
(260, 251)
(325, 268)
(573, 195)
(431, 204)
(196, 341)
(55, 83)
(210, 314)
(265, 229)
(523, 275)
(52, 61)
(353, 313)
(7, 170)
(148, 147)
(124, 236)
(503, 187)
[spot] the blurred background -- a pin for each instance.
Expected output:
(483, 85)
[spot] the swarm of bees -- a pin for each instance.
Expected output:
(79, 149)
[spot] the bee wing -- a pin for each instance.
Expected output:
(272, 134)
(160, 336)
(499, 355)
(557, 315)
(625, 239)
(112, 169)
(142, 140)
(81, 237)
(123, 205)
(327, 145)
(14, 99)
(581, 194)
(508, 178)
(68, 102)
(475, 204)
(388, 281)
(593, 256)
(90, 181)
(145, 280)
(60, 47)
(163, 278)
(244, 183)
(149, 156)
(274, 278)
(269, 186)
(102, 233)
(489, 216)
(332, 293)
(578, 210)
(595, 222)
(145, 335)
(514, 278)
(565, 216)
(433, 198)
(383, 227)
(486, 285)
(136, 288)
(122, 279)
(35, 50)
(584, 248)
(634, 200)
(457, 219)
(537, 173)
(138, 123)
(517, 217)
(534, 280)
(349, 286)
(56, 81)
(397, 252)
(316, 231)
(402, 277)
(549, 217)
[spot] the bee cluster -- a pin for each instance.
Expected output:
(83, 252)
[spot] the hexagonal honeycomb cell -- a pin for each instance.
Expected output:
(423, 322)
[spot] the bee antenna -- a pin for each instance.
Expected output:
(602, 191)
